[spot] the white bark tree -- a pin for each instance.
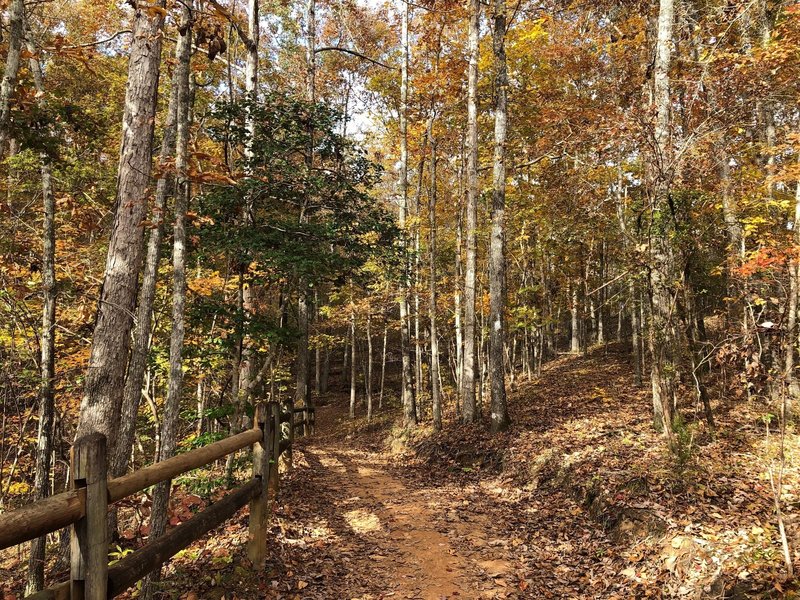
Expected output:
(409, 405)
(469, 406)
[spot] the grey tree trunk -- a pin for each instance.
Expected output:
(636, 332)
(326, 369)
(171, 413)
(137, 366)
(302, 389)
(245, 356)
(44, 444)
(302, 363)
(311, 37)
(436, 397)
(100, 406)
(792, 336)
(251, 64)
(317, 349)
(16, 34)
(663, 338)
(457, 303)
(601, 334)
(730, 213)
(497, 250)
(575, 337)
(589, 305)
(766, 109)
(353, 365)
(469, 408)
(409, 405)
(419, 381)
(633, 293)
(368, 375)
(383, 363)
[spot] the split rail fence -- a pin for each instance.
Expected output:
(85, 506)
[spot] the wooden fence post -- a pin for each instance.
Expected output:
(89, 536)
(290, 450)
(260, 505)
(275, 451)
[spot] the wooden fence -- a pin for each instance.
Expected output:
(85, 506)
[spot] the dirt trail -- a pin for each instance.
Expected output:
(394, 539)
(579, 500)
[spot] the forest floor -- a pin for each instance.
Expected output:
(580, 499)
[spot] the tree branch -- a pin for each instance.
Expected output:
(242, 35)
(353, 53)
(90, 44)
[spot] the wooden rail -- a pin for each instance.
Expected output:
(85, 507)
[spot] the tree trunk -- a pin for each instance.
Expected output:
(601, 334)
(589, 305)
(172, 406)
(302, 388)
(765, 109)
(326, 369)
(663, 339)
(353, 365)
(134, 379)
(695, 335)
(793, 388)
(16, 34)
(636, 332)
(730, 214)
(409, 407)
(469, 407)
(368, 374)
(457, 308)
(633, 293)
(436, 400)
(44, 445)
(243, 362)
(575, 339)
(497, 250)
(383, 363)
(100, 407)
(419, 382)
(317, 349)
